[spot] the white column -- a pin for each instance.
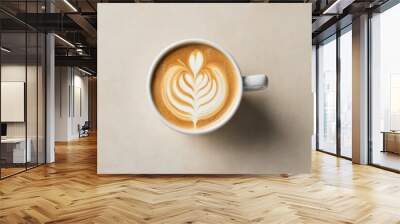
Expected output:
(50, 92)
(314, 92)
(360, 90)
(50, 100)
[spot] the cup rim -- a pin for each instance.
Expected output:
(227, 116)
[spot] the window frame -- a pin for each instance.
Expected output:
(336, 36)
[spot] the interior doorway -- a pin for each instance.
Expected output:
(75, 103)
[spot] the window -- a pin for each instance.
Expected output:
(385, 89)
(395, 102)
(333, 137)
(327, 96)
(346, 92)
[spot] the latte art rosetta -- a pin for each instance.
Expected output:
(194, 87)
(194, 91)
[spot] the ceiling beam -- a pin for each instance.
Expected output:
(49, 22)
(83, 61)
(320, 22)
(85, 25)
(337, 7)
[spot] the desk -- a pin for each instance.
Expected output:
(391, 141)
(13, 150)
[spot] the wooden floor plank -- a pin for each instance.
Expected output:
(70, 191)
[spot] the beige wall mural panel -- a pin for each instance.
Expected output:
(270, 133)
(12, 100)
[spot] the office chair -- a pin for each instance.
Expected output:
(84, 130)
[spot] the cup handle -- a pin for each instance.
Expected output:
(255, 82)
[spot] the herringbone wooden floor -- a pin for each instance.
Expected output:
(69, 191)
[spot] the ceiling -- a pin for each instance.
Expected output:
(75, 21)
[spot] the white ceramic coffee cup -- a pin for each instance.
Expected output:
(245, 83)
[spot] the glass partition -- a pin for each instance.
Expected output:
(22, 77)
(14, 153)
(41, 97)
(31, 99)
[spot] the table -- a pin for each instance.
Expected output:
(13, 150)
(391, 141)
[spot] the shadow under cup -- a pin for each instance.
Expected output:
(195, 86)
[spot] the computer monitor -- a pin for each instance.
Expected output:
(3, 129)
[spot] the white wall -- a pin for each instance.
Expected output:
(79, 117)
(270, 133)
(62, 82)
(69, 81)
(33, 128)
(15, 72)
